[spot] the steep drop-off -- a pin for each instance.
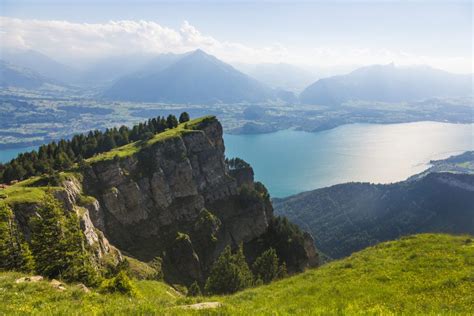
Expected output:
(349, 217)
(173, 196)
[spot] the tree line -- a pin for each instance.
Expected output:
(61, 155)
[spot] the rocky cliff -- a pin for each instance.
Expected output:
(174, 197)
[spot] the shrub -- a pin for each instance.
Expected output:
(194, 289)
(266, 266)
(184, 117)
(229, 274)
(121, 283)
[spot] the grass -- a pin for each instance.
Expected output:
(193, 126)
(25, 192)
(418, 275)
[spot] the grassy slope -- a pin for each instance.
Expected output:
(28, 192)
(132, 148)
(416, 275)
(423, 274)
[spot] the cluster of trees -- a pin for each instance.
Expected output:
(237, 163)
(61, 155)
(56, 250)
(231, 273)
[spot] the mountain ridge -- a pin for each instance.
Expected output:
(194, 77)
(387, 83)
(348, 217)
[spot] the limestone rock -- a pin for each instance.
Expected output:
(33, 279)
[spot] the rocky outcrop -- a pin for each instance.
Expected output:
(70, 195)
(148, 198)
(173, 198)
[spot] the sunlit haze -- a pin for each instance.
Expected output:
(320, 34)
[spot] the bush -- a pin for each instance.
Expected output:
(266, 267)
(194, 289)
(229, 274)
(184, 117)
(121, 283)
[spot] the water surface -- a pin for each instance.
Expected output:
(289, 162)
(8, 154)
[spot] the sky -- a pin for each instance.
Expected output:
(305, 33)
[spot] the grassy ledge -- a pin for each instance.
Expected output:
(193, 126)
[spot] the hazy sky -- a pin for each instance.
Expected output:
(323, 33)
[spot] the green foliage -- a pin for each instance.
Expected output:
(266, 267)
(62, 155)
(15, 253)
(121, 283)
(194, 289)
(288, 241)
(237, 163)
(171, 121)
(349, 217)
(184, 117)
(229, 274)
(428, 274)
(57, 244)
(157, 265)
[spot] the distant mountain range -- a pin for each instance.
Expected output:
(349, 217)
(42, 65)
(194, 77)
(12, 76)
(197, 77)
(282, 76)
(387, 83)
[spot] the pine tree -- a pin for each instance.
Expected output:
(194, 289)
(229, 274)
(58, 245)
(184, 117)
(171, 121)
(14, 251)
(47, 238)
(266, 266)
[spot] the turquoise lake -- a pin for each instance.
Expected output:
(289, 161)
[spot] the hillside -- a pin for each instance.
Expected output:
(387, 83)
(423, 274)
(171, 195)
(348, 217)
(12, 76)
(195, 77)
(41, 64)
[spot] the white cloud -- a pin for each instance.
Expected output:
(73, 42)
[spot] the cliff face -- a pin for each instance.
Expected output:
(174, 197)
(177, 199)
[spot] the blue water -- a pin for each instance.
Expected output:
(9, 154)
(289, 162)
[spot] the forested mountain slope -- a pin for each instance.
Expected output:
(348, 217)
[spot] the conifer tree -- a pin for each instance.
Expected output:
(184, 117)
(265, 267)
(14, 251)
(171, 121)
(229, 274)
(58, 244)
